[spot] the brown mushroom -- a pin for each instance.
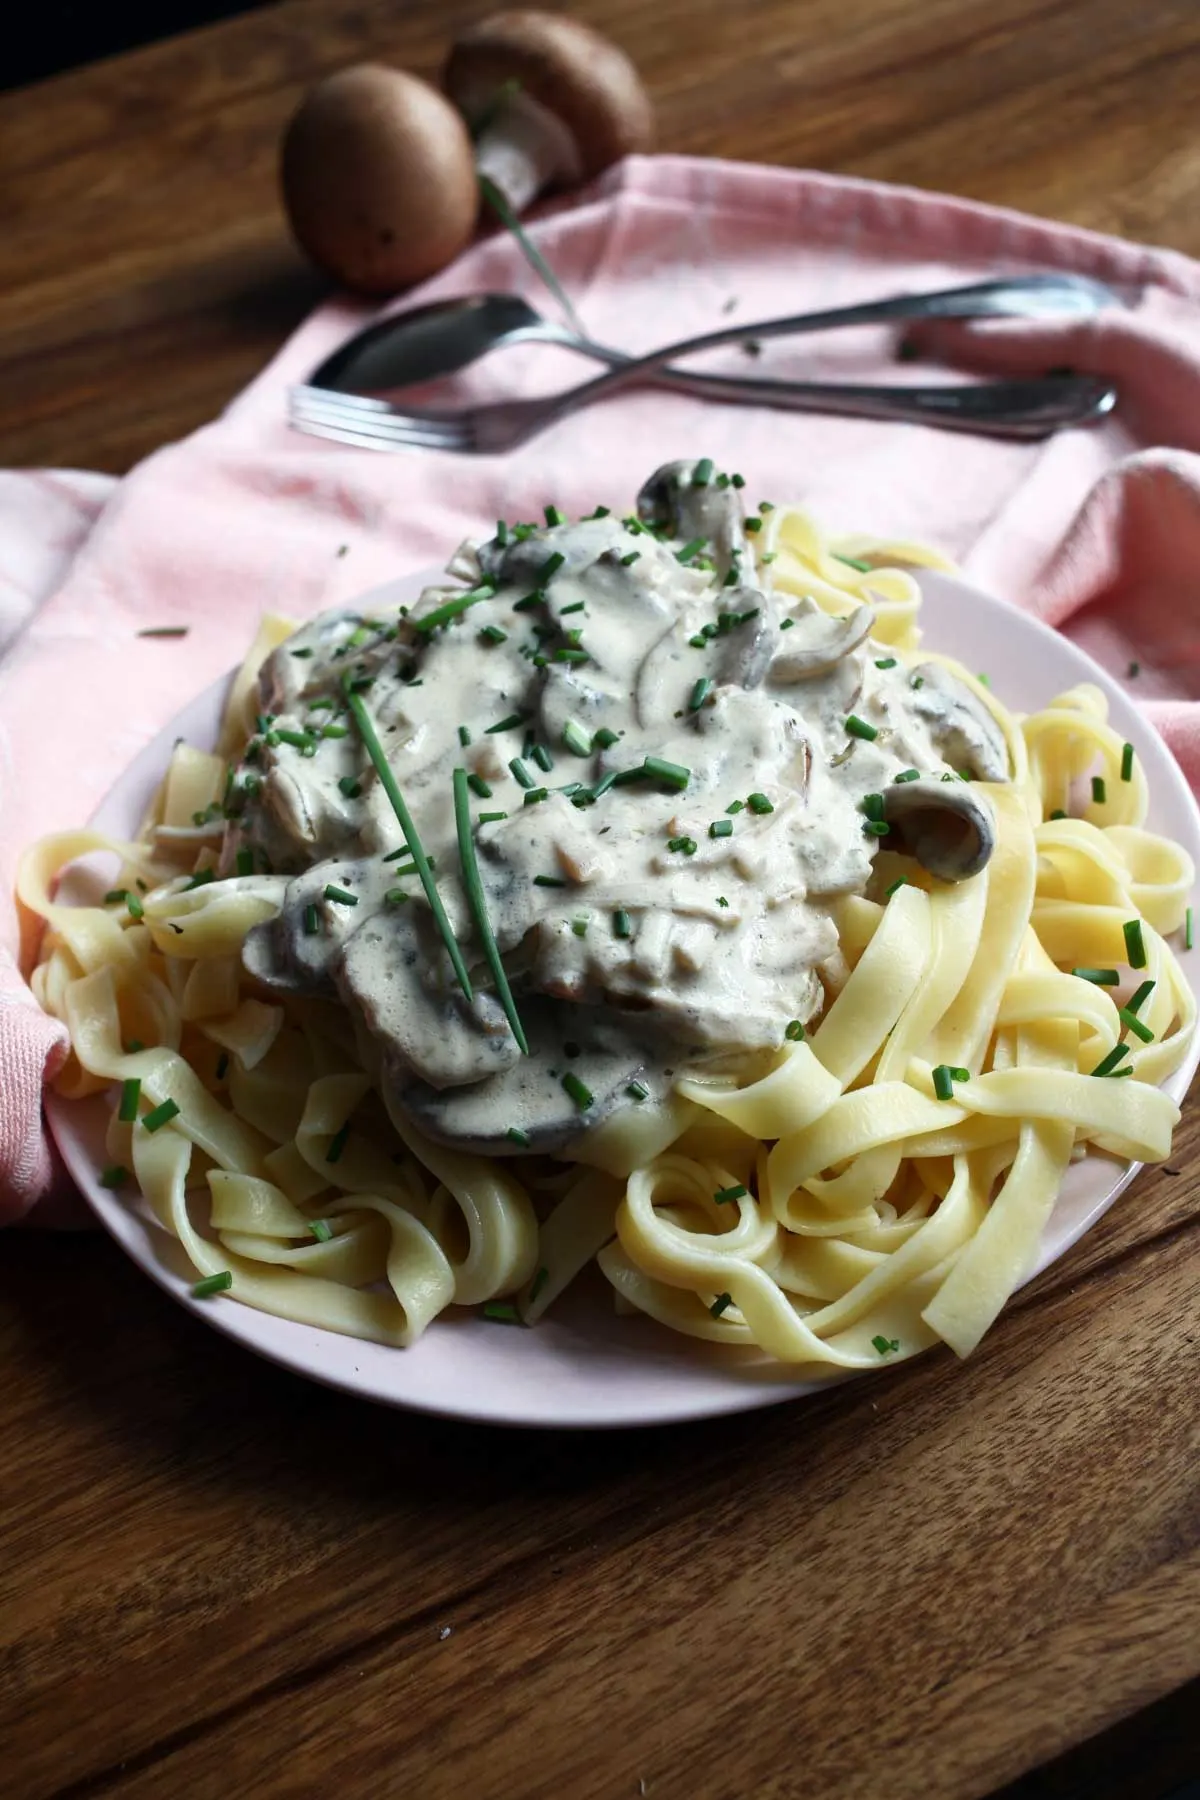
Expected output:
(552, 102)
(950, 829)
(378, 179)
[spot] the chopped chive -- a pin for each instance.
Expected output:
(721, 828)
(1187, 930)
(752, 524)
(686, 846)
(758, 803)
(675, 775)
(321, 1230)
(854, 562)
(721, 900)
(515, 1135)
(115, 1176)
(1132, 1023)
(907, 775)
(579, 924)
(542, 757)
(878, 828)
(339, 896)
(884, 1345)
(918, 681)
(735, 806)
(201, 878)
(720, 1305)
(570, 653)
(553, 516)
(521, 774)
(491, 818)
(161, 1115)
(1099, 794)
(334, 731)
(535, 795)
(134, 907)
(943, 1082)
(477, 902)
(576, 1090)
(1108, 1063)
(312, 921)
(794, 1030)
(555, 881)
(375, 750)
(628, 560)
(350, 786)
(575, 606)
(1137, 1000)
(300, 654)
(1101, 977)
(621, 925)
(131, 1091)
(551, 566)
(900, 881)
(502, 1312)
(464, 736)
(700, 693)
(508, 723)
(244, 862)
(859, 728)
(115, 896)
(698, 642)
(885, 662)
(1057, 814)
(396, 897)
(725, 1195)
(1135, 948)
(222, 1069)
(1133, 671)
(702, 474)
(637, 1090)
(605, 738)
(872, 805)
(492, 634)
(501, 532)
(960, 1074)
(450, 609)
(212, 1284)
(785, 624)
(737, 481)
(1127, 762)
(692, 548)
(337, 1143)
(164, 631)
(576, 738)
(479, 786)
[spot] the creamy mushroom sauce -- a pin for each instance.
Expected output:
(637, 942)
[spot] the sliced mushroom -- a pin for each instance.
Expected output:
(673, 501)
(285, 953)
(747, 650)
(945, 824)
(528, 1094)
(817, 641)
(961, 726)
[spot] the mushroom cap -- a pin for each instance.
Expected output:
(579, 76)
(945, 824)
(378, 178)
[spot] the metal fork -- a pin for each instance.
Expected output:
(1015, 409)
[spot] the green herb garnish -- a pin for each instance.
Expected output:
(758, 803)
(337, 1143)
(724, 1196)
(1108, 1063)
(575, 1089)
(321, 1230)
(515, 1135)
(854, 562)
(1127, 762)
(479, 786)
(115, 1176)
(795, 1031)
(161, 1115)
(131, 1091)
(1132, 1023)
(721, 828)
(508, 723)
(339, 896)
(884, 1345)
(700, 693)
(1135, 948)
(212, 1284)
(859, 728)
(1099, 794)
(1101, 977)
(720, 1304)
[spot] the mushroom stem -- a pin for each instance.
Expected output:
(524, 148)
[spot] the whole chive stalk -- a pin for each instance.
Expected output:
(529, 250)
(1101, 977)
(370, 738)
(212, 1284)
(477, 902)
(1135, 946)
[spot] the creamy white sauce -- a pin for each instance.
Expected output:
(728, 935)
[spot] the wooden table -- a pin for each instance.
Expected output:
(221, 1581)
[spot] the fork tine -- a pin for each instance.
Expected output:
(374, 430)
(330, 403)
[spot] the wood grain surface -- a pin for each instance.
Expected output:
(218, 1580)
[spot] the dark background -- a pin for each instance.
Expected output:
(59, 34)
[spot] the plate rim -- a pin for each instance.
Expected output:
(283, 1342)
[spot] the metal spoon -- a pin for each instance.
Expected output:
(430, 341)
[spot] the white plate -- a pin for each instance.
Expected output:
(584, 1365)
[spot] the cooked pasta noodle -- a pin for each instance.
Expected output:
(879, 1184)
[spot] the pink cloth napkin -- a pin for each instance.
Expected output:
(1096, 531)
